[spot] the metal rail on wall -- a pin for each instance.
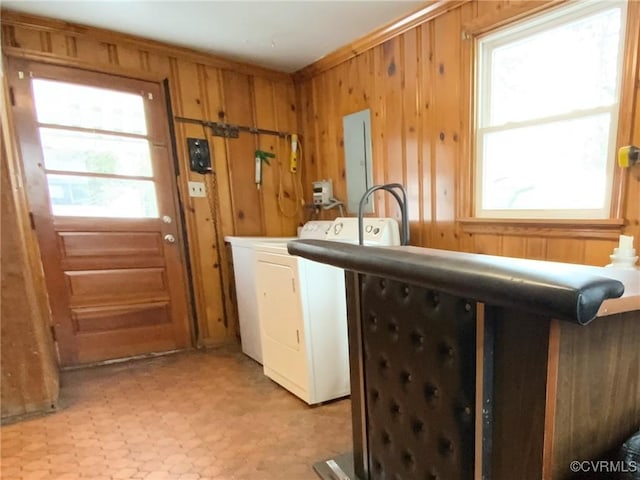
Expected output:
(228, 130)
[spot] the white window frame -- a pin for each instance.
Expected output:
(512, 33)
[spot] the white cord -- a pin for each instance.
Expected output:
(334, 203)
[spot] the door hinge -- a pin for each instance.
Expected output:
(53, 333)
(12, 97)
(32, 221)
(298, 335)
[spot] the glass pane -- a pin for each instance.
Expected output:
(74, 105)
(94, 153)
(560, 165)
(80, 196)
(567, 68)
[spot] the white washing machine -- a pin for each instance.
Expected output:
(303, 314)
(243, 252)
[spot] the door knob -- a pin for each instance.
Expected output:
(169, 238)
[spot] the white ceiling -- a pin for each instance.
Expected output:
(283, 35)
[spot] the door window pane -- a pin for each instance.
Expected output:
(75, 105)
(82, 196)
(73, 151)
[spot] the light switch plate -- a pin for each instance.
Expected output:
(196, 189)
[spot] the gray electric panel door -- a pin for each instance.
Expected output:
(357, 158)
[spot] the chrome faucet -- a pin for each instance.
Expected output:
(402, 203)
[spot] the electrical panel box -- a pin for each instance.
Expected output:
(322, 192)
(358, 158)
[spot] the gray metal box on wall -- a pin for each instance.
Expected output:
(357, 158)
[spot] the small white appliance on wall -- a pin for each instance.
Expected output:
(303, 315)
(243, 252)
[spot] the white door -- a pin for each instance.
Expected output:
(282, 324)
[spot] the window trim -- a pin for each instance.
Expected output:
(508, 35)
(608, 228)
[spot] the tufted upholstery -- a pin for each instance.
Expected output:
(419, 381)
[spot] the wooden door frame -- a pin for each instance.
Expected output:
(18, 171)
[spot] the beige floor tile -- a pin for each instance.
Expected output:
(200, 415)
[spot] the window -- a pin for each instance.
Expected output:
(547, 98)
(96, 151)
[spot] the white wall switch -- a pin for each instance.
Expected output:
(196, 189)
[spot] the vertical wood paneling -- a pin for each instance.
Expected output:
(536, 248)
(565, 250)
(487, 244)
(239, 110)
(411, 102)
(203, 245)
(514, 246)
(378, 133)
(426, 148)
(29, 375)
(265, 116)
(447, 89)
(291, 204)
(429, 89)
(632, 204)
(393, 54)
(597, 251)
(197, 91)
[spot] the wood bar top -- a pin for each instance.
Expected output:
(574, 293)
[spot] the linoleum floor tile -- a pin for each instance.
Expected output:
(189, 416)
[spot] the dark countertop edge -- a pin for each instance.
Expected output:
(552, 289)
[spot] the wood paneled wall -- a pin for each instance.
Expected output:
(201, 87)
(29, 380)
(416, 85)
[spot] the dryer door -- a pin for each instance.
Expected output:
(281, 321)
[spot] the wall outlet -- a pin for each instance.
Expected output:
(196, 189)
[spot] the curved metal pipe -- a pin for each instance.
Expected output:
(402, 203)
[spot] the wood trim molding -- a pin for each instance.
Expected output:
(594, 229)
(43, 24)
(511, 13)
(430, 11)
(628, 90)
(51, 59)
(598, 229)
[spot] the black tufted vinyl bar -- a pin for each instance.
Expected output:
(419, 381)
(420, 319)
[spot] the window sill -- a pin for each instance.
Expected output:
(599, 229)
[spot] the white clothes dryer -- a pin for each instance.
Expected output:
(243, 253)
(303, 315)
